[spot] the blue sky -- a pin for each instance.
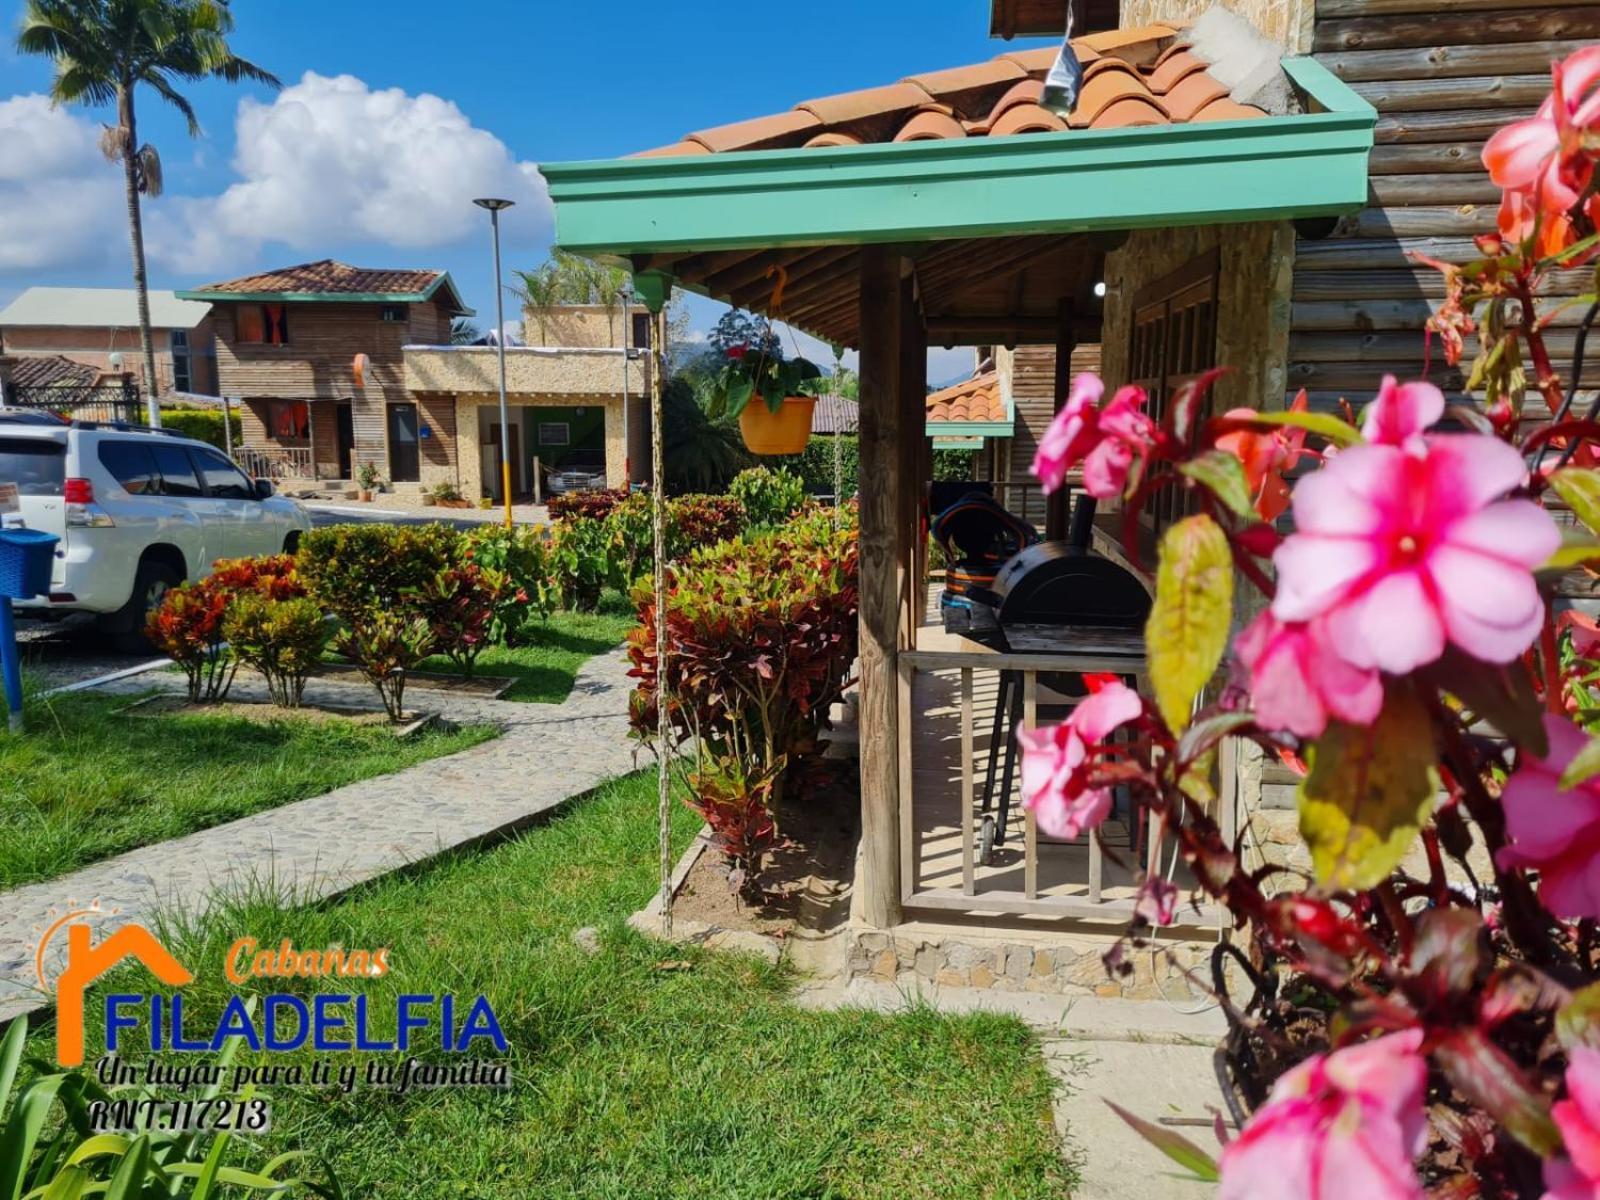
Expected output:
(354, 161)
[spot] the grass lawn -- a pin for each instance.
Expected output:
(86, 783)
(638, 1071)
(546, 667)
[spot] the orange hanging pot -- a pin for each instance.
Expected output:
(783, 432)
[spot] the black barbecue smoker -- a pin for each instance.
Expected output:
(1047, 598)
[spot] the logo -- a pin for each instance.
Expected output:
(87, 962)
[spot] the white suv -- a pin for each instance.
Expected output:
(137, 511)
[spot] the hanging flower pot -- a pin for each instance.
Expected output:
(783, 432)
(762, 389)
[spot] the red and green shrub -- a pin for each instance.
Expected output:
(519, 552)
(459, 607)
(762, 633)
(283, 639)
(586, 506)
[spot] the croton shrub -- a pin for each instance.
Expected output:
(762, 633)
(691, 521)
(1427, 1017)
(770, 496)
(593, 505)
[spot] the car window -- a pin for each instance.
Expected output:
(132, 465)
(222, 478)
(178, 476)
(38, 466)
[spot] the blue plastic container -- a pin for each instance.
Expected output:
(26, 556)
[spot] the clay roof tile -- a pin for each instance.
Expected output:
(1026, 118)
(930, 125)
(864, 105)
(975, 399)
(1173, 70)
(970, 90)
(760, 133)
(1190, 96)
(1227, 110)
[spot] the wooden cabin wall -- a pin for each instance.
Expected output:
(1443, 75)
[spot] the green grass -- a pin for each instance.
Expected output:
(629, 1080)
(546, 667)
(86, 782)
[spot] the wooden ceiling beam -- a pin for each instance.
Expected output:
(957, 329)
(729, 282)
(801, 271)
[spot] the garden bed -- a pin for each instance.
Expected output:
(411, 722)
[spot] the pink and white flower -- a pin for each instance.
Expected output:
(1105, 440)
(1577, 1177)
(1298, 681)
(1405, 544)
(1555, 832)
(1052, 759)
(1157, 901)
(1341, 1126)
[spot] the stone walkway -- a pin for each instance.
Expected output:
(318, 847)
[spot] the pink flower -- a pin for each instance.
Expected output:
(1157, 901)
(1406, 544)
(1266, 455)
(1106, 440)
(1577, 1177)
(1298, 680)
(1549, 157)
(1342, 1126)
(1555, 832)
(1400, 412)
(1051, 759)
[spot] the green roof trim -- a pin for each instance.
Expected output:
(1310, 164)
(957, 443)
(968, 429)
(421, 297)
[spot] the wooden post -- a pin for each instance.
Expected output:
(916, 462)
(1058, 507)
(881, 570)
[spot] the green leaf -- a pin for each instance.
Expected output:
(1484, 1074)
(11, 1057)
(1578, 1021)
(1576, 550)
(21, 1132)
(1369, 791)
(1584, 766)
(1580, 488)
(1323, 424)
(1174, 1145)
(128, 1183)
(1223, 475)
(1188, 627)
(1501, 695)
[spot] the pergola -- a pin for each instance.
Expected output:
(888, 246)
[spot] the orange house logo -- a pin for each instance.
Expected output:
(87, 962)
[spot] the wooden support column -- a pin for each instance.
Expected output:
(916, 462)
(882, 569)
(1058, 510)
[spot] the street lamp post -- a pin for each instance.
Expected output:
(627, 446)
(495, 206)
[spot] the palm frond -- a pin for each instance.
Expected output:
(173, 97)
(149, 170)
(114, 142)
(235, 70)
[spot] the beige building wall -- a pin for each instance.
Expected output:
(471, 451)
(1287, 22)
(578, 325)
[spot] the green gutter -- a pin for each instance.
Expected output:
(977, 429)
(1310, 164)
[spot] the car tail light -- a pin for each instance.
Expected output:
(82, 511)
(78, 491)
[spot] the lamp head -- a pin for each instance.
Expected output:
(492, 204)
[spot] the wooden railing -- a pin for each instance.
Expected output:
(276, 462)
(950, 707)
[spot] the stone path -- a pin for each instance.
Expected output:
(318, 847)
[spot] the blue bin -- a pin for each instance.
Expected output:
(26, 556)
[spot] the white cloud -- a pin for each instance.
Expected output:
(331, 159)
(60, 201)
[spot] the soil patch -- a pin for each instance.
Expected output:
(173, 705)
(807, 880)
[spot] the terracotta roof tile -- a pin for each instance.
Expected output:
(1142, 76)
(331, 278)
(53, 370)
(835, 414)
(975, 399)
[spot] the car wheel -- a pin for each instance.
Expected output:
(150, 586)
(292, 542)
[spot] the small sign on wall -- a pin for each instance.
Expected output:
(10, 501)
(555, 433)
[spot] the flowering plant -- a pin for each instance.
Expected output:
(749, 371)
(1427, 1019)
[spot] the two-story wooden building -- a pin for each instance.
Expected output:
(314, 355)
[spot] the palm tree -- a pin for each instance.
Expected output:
(464, 332)
(567, 278)
(102, 51)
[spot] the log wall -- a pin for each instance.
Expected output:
(1443, 75)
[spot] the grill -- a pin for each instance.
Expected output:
(1049, 598)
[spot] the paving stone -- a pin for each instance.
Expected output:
(321, 846)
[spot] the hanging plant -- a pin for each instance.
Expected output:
(781, 423)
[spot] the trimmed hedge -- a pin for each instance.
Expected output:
(202, 424)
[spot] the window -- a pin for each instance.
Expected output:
(555, 433)
(1174, 341)
(177, 472)
(396, 313)
(223, 480)
(264, 324)
(289, 421)
(133, 466)
(641, 331)
(38, 466)
(182, 377)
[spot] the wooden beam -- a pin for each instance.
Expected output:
(953, 329)
(1390, 31)
(880, 431)
(916, 461)
(1058, 507)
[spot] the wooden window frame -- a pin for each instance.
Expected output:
(273, 332)
(1184, 303)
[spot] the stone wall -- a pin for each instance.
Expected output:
(1287, 22)
(529, 371)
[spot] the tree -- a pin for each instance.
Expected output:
(464, 332)
(567, 278)
(738, 329)
(103, 50)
